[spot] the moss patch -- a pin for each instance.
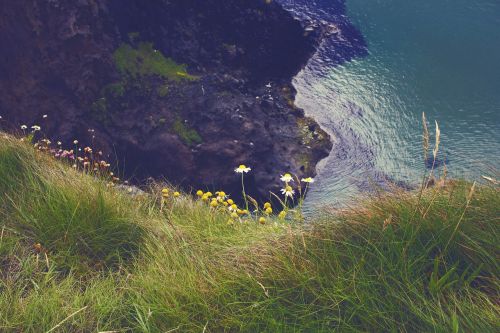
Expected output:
(188, 135)
(114, 89)
(308, 131)
(146, 61)
(163, 90)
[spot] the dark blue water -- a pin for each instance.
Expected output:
(441, 57)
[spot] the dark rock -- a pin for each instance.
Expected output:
(235, 105)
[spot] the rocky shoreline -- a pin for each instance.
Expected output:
(181, 91)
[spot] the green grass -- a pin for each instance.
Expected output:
(146, 61)
(114, 262)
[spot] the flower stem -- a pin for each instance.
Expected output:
(244, 193)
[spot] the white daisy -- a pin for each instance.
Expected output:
(286, 178)
(288, 191)
(242, 169)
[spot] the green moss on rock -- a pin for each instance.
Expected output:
(309, 132)
(114, 89)
(188, 135)
(163, 90)
(146, 61)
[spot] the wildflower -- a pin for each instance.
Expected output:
(177, 194)
(230, 201)
(225, 203)
(282, 215)
(36, 128)
(199, 193)
(205, 197)
(209, 194)
(44, 116)
(214, 203)
(75, 142)
(267, 205)
(221, 196)
(23, 127)
(245, 212)
(239, 212)
(262, 220)
(286, 178)
(308, 180)
(234, 215)
(88, 150)
(242, 169)
(288, 191)
(269, 211)
(165, 192)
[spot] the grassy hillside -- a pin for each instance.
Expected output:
(77, 255)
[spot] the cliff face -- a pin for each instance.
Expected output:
(182, 90)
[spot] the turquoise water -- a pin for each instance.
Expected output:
(441, 57)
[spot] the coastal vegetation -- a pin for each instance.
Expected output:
(82, 252)
(188, 135)
(146, 61)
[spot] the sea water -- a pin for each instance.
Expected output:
(441, 57)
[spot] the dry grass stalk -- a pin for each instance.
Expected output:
(436, 146)
(425, 137)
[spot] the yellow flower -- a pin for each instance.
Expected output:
(262, 220)
(225, 203)
(245, 212)
(267, 205)
(177, 194)
(205, 197)
(286, 178)
(199, 193)
(209, 194)
(234, 215)
(269, 210)
(308, 180)
(282, 215)
(230, 201)
(240, 212)
(221, 196)
(288, 191)
(242, 169)
(214, 203)
(165, 192)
